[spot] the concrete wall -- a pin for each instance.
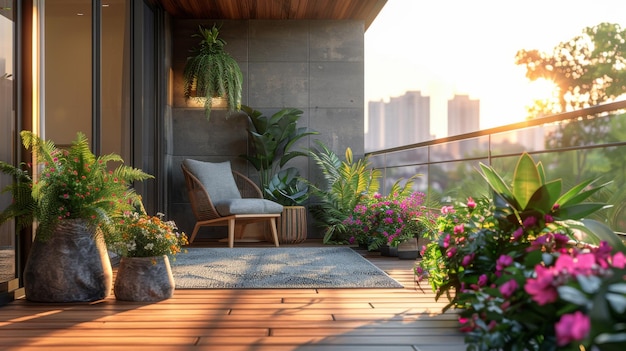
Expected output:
(315, 66)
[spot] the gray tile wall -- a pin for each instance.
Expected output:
(316, 66)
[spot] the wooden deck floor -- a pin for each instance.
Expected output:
(236, 320)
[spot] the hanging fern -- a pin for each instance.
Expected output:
(212, 72)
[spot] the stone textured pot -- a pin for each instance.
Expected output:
(144, 279)
(390, 251)
(292, 225)
(72, 265)
(408, 250)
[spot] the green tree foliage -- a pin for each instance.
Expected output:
(588, 69)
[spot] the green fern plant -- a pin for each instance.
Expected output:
(72, 184)
(212, 72)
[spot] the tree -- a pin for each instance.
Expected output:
(588, 70)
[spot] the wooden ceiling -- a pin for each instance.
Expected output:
(365, 10)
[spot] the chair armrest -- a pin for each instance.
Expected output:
(246, 186)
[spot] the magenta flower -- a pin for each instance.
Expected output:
(503, 262)
(467, 259)
(451, 252)
(540, 288)
(507, 289)
(572, 327)
(482, 280)
(619, 260)
(459, 229)
(517, 234)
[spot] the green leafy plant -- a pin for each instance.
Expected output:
(271, 146)
(346, 182)
(73, 183)
(212, 72)
(516, 269)
(287, 188)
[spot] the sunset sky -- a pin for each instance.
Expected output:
(448, 47)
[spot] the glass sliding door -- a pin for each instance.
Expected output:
(8, 142)
(115, 107)
(67, 70)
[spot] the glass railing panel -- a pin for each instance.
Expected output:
(455, 181)
(420, 183)
(517, 141)
(413, 156)
(457, 150)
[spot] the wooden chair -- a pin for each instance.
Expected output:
(223, 197)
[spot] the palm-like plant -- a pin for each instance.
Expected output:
(212, 72)
(346, 183)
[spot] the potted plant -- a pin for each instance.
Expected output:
(271, 140)
(526, 270)
(212, 73)
(346, 183)
(288, 189)
(145, 244)
(72, 201)
(386, 222)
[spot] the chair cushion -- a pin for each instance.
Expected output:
(247, 206)
(217, 179)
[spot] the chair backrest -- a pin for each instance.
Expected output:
(216, 178)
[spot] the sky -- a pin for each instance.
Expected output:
(448, 47)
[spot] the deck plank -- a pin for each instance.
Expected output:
(399, 319)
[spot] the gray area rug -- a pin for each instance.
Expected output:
(277, 267)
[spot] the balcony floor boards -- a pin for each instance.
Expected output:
(405, 319)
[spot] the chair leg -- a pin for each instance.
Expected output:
(231, 233)
(195, 232)
(274, 233)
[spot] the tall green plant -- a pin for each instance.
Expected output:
(346, 182)
(212, 72)
(271, 147)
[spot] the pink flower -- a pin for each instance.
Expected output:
(540, 288)
(619, 260)
(507, 289)
(572, 327)
(548, 218)
(467, 260)
(503, 262)
(518, 233)
(482, 280)
(459, 229)
(447, 209)
(451, 252)
(529, 222)
(470, 203)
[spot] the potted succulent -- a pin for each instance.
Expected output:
(526, 270)
(72, 201)
(271, 140)
(145, 244)
(212, 73)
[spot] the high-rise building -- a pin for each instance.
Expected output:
(463, 115)
(403, 120)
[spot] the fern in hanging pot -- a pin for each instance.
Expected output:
(212, 73)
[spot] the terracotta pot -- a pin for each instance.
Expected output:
(72, 265)
(146, 279)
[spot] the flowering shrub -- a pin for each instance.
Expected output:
(141, 235)
(385, 220)
(519, 277)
